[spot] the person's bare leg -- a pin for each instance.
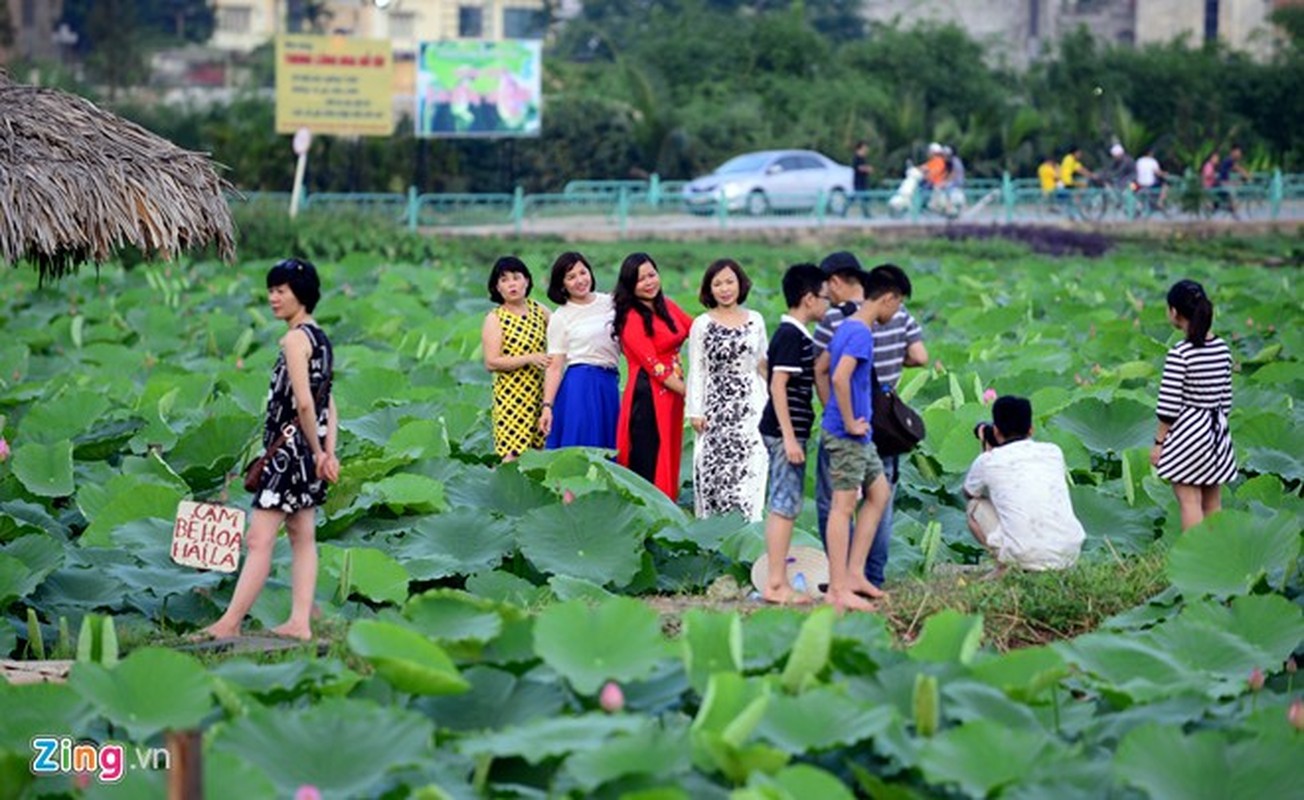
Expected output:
(301, 526)
(1211, 499)
(837, 539)
(778, 536)
(259, 542)
(1191, 504)
(877, 496)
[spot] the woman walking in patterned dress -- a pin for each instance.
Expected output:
(301, 414)
(514, 340)
(1193, 447)
(726, 397)
(650, 329)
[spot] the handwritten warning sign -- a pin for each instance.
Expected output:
(208, 536)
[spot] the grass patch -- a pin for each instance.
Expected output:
(1022, 609)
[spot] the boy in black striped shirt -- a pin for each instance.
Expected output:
(788, 418)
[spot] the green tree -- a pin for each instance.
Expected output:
(116, 58)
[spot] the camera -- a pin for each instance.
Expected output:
(985, 432)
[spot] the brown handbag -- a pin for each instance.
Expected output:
(253, 471)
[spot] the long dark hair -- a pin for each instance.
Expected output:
(624, 300)
(1188, 299)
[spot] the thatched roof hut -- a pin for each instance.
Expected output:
(77, 182)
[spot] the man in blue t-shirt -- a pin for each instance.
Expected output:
(855, 468)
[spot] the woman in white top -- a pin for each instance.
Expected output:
(581, 398)
(726, 396)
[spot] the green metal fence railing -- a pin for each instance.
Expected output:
(625, 204)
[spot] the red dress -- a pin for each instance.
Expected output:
(650, 433)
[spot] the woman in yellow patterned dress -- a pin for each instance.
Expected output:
(514, 340)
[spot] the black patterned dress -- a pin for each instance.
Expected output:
(730, 462)
(289, 483)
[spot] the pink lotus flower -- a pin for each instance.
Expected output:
(307, 792)
(612, 699)
(568, 497)
(1256, 680)
(1291, 666)
(4, 449)
(1295, 714)
(989, 397)
(81, 780)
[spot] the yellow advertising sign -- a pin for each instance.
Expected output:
(334, 85)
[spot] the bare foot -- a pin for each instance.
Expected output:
(301, 632)
(847, 600)
(864, 587)
(213, 633)
(785, 595)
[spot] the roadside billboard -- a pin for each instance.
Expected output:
(479, 89)
(334, 85)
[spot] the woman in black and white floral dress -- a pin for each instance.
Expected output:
(726, 397)
(301, 427)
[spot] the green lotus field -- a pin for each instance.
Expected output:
(486, 635)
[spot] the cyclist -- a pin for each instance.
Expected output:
(1070, 168)
(1151, 180)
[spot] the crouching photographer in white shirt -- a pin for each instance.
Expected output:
(1019, 507)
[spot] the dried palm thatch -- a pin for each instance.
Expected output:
(77, 183)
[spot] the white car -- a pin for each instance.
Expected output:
(772, 180)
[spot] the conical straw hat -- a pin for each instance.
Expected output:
(807, 569)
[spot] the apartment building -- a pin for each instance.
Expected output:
(1016, 31)
(33, 23)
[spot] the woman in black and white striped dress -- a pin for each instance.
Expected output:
(1193, 448)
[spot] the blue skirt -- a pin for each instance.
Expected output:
(585, 409)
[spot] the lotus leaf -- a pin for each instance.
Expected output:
(769, 634)
(204, 454)
(502, 492)
(288, 680)
(796, 783)
(949, 636)
(1023, 674)
(406, 659)
(379, 426)
(822, 718)
(1108, 427)
(301, 746)
(410, 493)
(505, 587)
(45, 469)
(661, 752)
(452, 616)
(810, 651)
(984, 755)
(965, 701)
(1228, 553)
(373, 573)
(1105, 516)
(544, 738)
(1167, 763)
(564, 587)
(496, 700)
(619, 640)
(18, 518)
(39, 708)
(711, 642)
(131, 500)
(461, 542)
(63, 416)
(148, 691)
(230, 777)
(421, 438)
(561, 539)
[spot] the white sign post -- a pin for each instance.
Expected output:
(302, 140)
